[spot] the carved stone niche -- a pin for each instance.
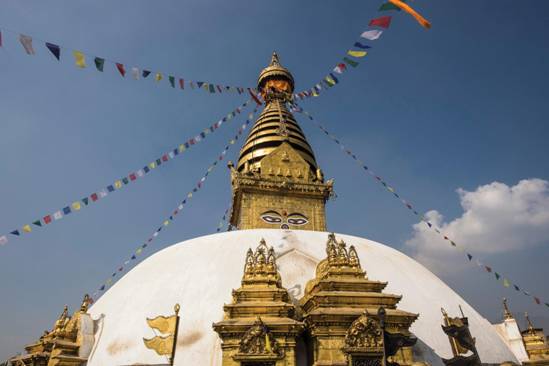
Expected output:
(258, 346)
(364, 342)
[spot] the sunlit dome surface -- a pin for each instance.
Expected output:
(200, 273)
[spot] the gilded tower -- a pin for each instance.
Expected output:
(277, 182)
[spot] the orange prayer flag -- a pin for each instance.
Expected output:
(407, 8)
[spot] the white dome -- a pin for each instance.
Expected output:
(200, 273)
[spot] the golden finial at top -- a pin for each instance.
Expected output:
(274, 59)
(506, 312)
(529, 322)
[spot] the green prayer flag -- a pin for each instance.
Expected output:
(497, 275)
(172, 81)
(350, 62)
(99, 63)
(388, 6)
(37, 223)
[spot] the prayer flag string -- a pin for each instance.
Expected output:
(361, 47)
(83, 59)
(506, 282)
(223, 220)
(118, 184)
(166, 222)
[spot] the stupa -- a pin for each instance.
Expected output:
(279, 289)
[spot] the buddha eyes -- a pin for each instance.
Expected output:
(295, 219)
(271, 219)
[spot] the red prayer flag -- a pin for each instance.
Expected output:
(254, 97)
(133, 177)
(164, 157)
(537, 300)
(47, 219)
(121, 69)
(382, 22)
(94, 197)
(182, 83)
(488, 268)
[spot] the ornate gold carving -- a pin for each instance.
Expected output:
(536, 344)
(258, 341)
(364, 336)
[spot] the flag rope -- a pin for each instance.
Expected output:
(223, 220)
(119, 183)
(488, 269)
(178, 209)
(80, 58)
(360, 49)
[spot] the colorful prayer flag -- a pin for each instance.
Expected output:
(37, 223)
(54, 49)
(79, 59)
(350, 62)
(99, 63)
(47, 219)
(76, 206)
(26, 42)
(172, 81)
(27, 228)
(118, 184)
(383, 22)
(469, 256)
(506, 282)
(182, 83)
(121, 69)
(3, 238)
(135, 73)
(407, 8)
(363, 46)
(15, 232)
(357, 53)
(372, 35)
(58, 215)
(158, 76)
(146, 73)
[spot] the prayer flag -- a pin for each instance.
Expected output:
(350, 62)
(110, 188)
(54, 49)
(79, 59)
(363, 46)
(103, 193)
(388, 6)
(118, 184)
(407, 8)
(212, 89)
(488, 269)
(469, 256)
(125, 180)
(146, 73)
(192, 84)
(58, 215)
(334, 78)
(199, 83)
(182, 83)
(94, 197)
(66, 210)
(140, 173)
(37, 223)
(121, 69)
(102, 288)
(497, 275)
(3, 238)
(99, 63)
(158, 76)
(27, 228)
(516, 287)
(76, 206)
(26, 42)
(172, 81)
(135, 73)
(47, 219)
(506, 282)
(15, 232)
(133, 176)
(537, 300)
(357, 53)
(372, 35)
(383, 22)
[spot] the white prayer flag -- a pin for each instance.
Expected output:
(171, 155)
(135, 73)
(372, 35)
(103, 193)
(140, 173)
(58, 215)
(26, 42)
(3, 240)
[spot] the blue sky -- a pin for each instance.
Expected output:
(460, 106)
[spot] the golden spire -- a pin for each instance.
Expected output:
(531, 328)
(276, 124)
(506, 312)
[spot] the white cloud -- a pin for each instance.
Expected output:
(496, 218)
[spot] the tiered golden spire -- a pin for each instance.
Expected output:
(276, 124)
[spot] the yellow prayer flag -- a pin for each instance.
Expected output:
(152, 165)
(161, 345)
(27, 228)
(506, 282)
(108, 282)
(189, 195)
(118, 184)
(76, 206)
(181, 148)
(357, 53)
(79, 59)
(158, 76)
(166, 223)
(138, 251)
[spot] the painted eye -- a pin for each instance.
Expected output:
(271, 219)
(297, 220)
